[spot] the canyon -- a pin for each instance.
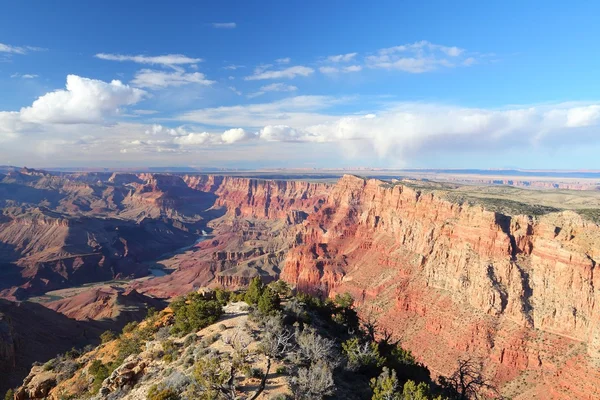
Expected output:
(453, 271)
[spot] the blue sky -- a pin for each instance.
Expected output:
(300, 84)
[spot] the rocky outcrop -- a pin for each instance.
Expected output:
(37, 385)
(124, 377)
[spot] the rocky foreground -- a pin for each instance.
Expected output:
(510, 283)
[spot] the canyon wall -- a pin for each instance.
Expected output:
(258, 198)
(451, 279)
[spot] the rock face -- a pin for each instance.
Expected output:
(449, 278)
(124, 377)
(30, 333)
(256, 198)
(102, 303)
(37, 384)
(459, 279)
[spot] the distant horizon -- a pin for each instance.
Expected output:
(303, 169)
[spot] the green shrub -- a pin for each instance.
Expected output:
(417, 391)
(362, 356)
(194, 313)
(161, 392)
(49, 365)
(268, 302)
(281, 370)
(189, 340)
(10, 394)
(222, 296)
(344, 300)
(385, 386)
(130, 327)
(99, 372)
(255, 290)
(281, 288)
(127, 346)
(170, 351)
(108, 336)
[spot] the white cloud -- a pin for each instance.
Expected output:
(153, 79)
(342, 58)
(193, 139)
(288, 73)
(145, 112)
(24, 76)
(278, 87)
(157, 129)
(285, 60)
(583, 116)
(224, 25)
(420, 57)
(233, 67)
(166, 60)
(329, 70)
(234, 90)
(236, 135)
(84, 101)
(335, 70)
(295, 111)
(352, 68)
(273, 87)
(284, 133)
(5, 48)
(412, 128)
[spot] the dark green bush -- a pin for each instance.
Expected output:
(194, 313)
(268, 302)
(108, 336)
(99, 372)
(161, 392)
(255, 290)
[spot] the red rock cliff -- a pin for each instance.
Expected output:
(257, 198)
(452, 278)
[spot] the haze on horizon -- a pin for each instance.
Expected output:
(300, 84)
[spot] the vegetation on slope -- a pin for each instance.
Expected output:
(283, 347)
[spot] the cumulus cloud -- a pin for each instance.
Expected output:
(412, 128)
(342, 57)
(153, 79)
(157, 129)
(235, 135)
(193, 139)
(285, 60)
(83, 101)
(166, 60)
(420, 57)
(233, 67)
(224, 25)
(409, 129)
(288, 73)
